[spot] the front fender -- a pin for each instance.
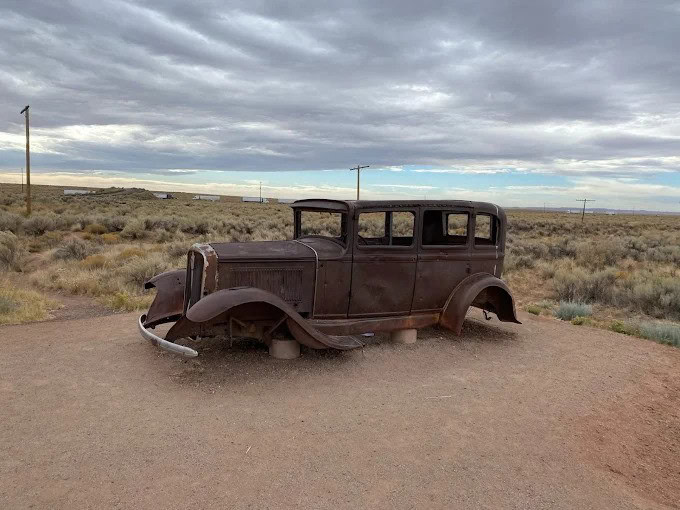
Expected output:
(168, 304)
(216, 307)
(483, 291)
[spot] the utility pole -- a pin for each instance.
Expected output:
(28, 165)
(260, 191)
(584, 200)
(22, 179)
(358, 169)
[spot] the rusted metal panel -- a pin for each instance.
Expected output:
(285, 282)
(484, 291)
(167, 305)
(324, 290)
(333, 286)
(292, 281)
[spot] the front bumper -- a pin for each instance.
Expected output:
(164, 344)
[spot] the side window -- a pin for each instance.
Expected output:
(386, 228)
(445, 228)
(402, 228)
(372, 228)
(486, 230)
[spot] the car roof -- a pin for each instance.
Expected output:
(346, 205)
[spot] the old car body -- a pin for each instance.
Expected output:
(352, 267)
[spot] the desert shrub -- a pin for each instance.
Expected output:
(669, 254)
(568, 310)
(38, 225)
(10, 251)
(134, 229)
(94, 261)
(10, 221)
(623, 328)
(659, 297)
(126, 302)
(600, 254)
(74, 249)
(96, 228)
(167, 224)
(7, 305)
(199, 227)
(109, 238)
(577, 284)
(139, 270)
(113, 223)
(662, 332)
(514, 262)
(178, 250)
(163, 236)
(534, 310)
(129, 253)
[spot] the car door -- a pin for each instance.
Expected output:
(444, 255)
(384, 262)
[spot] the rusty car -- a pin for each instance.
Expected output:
(351, 268)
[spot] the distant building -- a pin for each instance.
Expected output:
(286, 200)
(213, 198)
(255, 199)
(164, 196)
(77, 191)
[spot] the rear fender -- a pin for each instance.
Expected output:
(216, 309)
(168, 303)
(483, 291)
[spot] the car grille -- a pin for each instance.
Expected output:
(283, 282)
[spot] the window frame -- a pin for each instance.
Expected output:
(387, 212)
(495, 224)
(446, 211)
(344, 226)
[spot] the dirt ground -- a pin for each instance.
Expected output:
(539, 415)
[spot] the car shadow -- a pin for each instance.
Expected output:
(246, 361)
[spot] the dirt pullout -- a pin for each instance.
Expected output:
(540, 415)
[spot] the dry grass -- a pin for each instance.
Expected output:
(105, 245)
(22, 305)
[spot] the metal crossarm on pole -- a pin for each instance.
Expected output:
(584, 200)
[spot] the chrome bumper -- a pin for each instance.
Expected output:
(164, 344)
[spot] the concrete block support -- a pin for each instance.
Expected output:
(284, 349)
(404, 336)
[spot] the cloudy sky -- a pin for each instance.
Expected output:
(518, 102)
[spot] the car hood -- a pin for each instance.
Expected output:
(304, 249)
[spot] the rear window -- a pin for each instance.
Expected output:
(486, 230)
(445, 228)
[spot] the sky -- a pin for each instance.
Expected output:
(518, 102)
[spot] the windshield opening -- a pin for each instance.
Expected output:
(332, 225)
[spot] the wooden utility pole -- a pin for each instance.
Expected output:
(358, 169)
(584, 200)
(28, 165)
(260, 191)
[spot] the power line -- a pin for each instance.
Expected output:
(358, 169)
(584, 200)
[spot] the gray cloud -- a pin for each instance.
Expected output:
(306, 85)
